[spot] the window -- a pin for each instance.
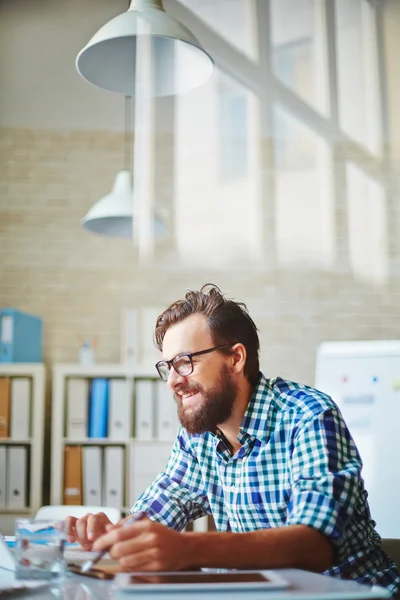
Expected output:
(303, 195)
(298, 54)
(366, 225)
(358, 98)
(234, 20)
(217, 221)
(233, 151)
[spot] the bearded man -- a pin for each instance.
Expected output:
(271, 460)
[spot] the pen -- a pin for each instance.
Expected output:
(89, 564)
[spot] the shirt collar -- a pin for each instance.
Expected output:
(256, 421)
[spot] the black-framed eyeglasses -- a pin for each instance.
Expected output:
(183, 363)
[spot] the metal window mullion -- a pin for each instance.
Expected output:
(329, 26)
(390, 182)
(225, 55)
(267, 173)
(340, 192)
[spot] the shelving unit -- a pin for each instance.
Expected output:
(34, 443)
(143, 456)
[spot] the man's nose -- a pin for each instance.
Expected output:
(174, 378)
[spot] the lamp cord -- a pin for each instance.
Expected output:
(128, 133)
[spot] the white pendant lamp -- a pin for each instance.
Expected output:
(179, 61)
(143, 52)
(113, 214)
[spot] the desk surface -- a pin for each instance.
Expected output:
(303, 586)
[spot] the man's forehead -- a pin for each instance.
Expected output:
(188, 335)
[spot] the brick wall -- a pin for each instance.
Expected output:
(79, 282)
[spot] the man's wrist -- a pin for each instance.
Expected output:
(195, 542)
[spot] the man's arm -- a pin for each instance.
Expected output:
(297, 546)
(150, 546)
(173, 499)
(177, 496)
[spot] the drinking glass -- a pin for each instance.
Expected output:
(39, 549)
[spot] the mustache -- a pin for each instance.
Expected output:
(186, 389)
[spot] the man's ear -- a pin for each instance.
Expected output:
(239, 355)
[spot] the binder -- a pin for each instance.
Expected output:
(3, 476)
(167, 422)
(98, 408)
(129, 337)
(144, 410)
(77, 408)
(114, 476)
(146, 462)
(120, 409)
(4, 407)
(16, 477)
(92, 475)
(201, 524)
(149, 354)
(72, 475)
(20, 337)
(20, 408)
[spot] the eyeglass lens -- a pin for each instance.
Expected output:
(182, 365)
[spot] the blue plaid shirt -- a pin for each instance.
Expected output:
(298, 465)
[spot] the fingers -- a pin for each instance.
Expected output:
(112, 536)
(86, 529)
(144, 545)
(81, 527)
(147, 560)
(96, 525)
(70, 529)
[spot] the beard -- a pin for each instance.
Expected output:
(216, 406)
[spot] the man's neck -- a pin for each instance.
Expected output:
(230, 428)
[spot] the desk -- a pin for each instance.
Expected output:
(303, 586)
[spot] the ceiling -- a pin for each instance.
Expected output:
(40, 87)
(40, 39)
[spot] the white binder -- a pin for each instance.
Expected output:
(77, 408)
(20, 407)
(3, 480)
(16, 477)
(92, 470)
(201, 524)
(167, 422)
(113, 476)
(147, 460)
(144, 410)
(149, 354)
(120, 409)
(129, 337)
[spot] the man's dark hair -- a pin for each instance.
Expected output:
(229, 322)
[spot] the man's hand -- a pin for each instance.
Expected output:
(87, 529)
(145, 546)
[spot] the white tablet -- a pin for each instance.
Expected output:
(199, 580)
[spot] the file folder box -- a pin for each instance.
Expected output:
(98, 408)
(17, 476)
(114, 476)
(3, 476)
(20, 408)
(20, 337)
(92, 475)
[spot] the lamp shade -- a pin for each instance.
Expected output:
(179, 62)
(113, 214)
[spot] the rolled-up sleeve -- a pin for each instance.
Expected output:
(177, 496)
(325, 472)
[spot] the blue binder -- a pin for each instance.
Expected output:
(20, 337)
(98, 408)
